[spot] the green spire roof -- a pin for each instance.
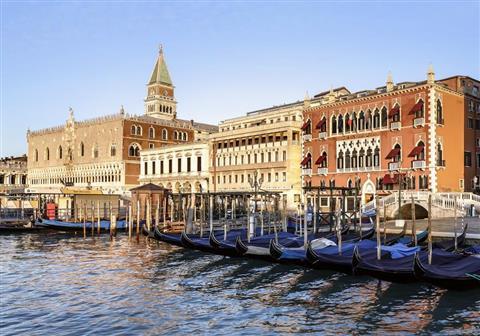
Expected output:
(160, 72)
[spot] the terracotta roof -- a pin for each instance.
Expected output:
(148, 187)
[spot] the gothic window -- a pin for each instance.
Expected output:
(113, 150)
(334, 125)
(376, 119)
(440, 161)
(421, 156)
(347, 159)
(348, 123)
(139, 130)
(354, 158)
(399, 155)
(368, 120)
(340, 160)
(324, 160)
(134, 150)
(82, 149)
(164, 134)
(354, 122)
(439, 112)
(384, 117)
(47, 154)
(184, 136)
(151, 132)
(361, 158)
(369, 158)
(376, 157)
(419, 112)
(361, 121)
(340, 124)
(175, 135)
(60, 153)
(133, 130)
(396, 116)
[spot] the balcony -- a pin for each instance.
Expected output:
(322, 135)
(393, 166)
(307, 171)
(419, 122)
(322, 170)
(418, 164)
(307, 137)
(396, 125)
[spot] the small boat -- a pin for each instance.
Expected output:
(170, 238)
(448, 270)
(395, 238)
(449, 245)
(330, 258)
(408, 241)
(395, 264)
(76, 226)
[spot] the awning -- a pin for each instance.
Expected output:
(305, 160)
(387, 179)
(393, 153)
(305, 125)
(394, 111)
(321, 123)
(417, 107)
(320, 159)
(416, 151)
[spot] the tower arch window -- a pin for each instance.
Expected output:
(175, 135)
(151, 132)
(164, 134)
(361, 158)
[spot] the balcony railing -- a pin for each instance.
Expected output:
(307, 171)
(393, 165)
(418, 164)
(418, 122)
(395, 125)
(307, 137)
(322, 135)
(322, 170)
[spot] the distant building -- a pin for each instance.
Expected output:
(422, 135)
(180, 168)
(13, 174)
(267, 141)
(104, 153)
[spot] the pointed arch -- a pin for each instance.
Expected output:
(164, 134)
(334, 124)
(439, 112)
(384, 117)
(376, 118)
(151, 132)
(340, 124)
(134, 150)
(361, 121)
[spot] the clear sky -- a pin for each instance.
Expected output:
(225, 59)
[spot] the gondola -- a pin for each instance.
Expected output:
(78, 226)
(408, 241)
(395, 238)
(203, 244)
(395, 264)
(448, 270)
(329, 257)
(223, 247)
(170, 238)
(449, 245)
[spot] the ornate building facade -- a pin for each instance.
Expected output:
(13, 174)
(420, 134)
(180, 168)
(104, 152)
(267, 141)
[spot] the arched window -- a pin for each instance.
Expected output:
(354, 122)
(368, 120)
(348, 123)
(307, 161)
(151, 132)
(185, 136)
(175, 135)
(398, 157)
(47, 154)
(419, 109)
(369, 157)
(60, 152)
(36, 155)
(324, 160)
(376, 157)
(421, 155)
(349, 184)
(439, 112)
(139, 130)
(164, 134)
(133, 130)
(334, 125)
(354, 159)
(113, 150)
(361, 121)
(440, 161)
(376, 119)
(340, 124)
(384, 117)
(134, 150)
(395, 114)
(340, 160)
(95, 151)
(323, 123)
(347, 159)
(361, 158)
(82, 149)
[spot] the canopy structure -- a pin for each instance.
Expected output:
(320, 159)
(387, 179)
(417, 107)
(306, 159)
(321, 123)
(416, 151)
(393, 153)
(305, 125)
(394, 111)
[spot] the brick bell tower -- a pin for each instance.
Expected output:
(160, 101)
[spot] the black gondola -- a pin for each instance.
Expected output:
(448, 270)
(395, 238)
(449, 245)
(170, 238)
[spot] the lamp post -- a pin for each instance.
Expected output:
(255, 184)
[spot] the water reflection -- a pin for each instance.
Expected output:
(63, 284)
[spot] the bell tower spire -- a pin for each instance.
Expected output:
(160, 101)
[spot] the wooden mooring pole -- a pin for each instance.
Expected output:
(429, 229)
(414, 227)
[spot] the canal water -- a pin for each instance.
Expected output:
(55, 284)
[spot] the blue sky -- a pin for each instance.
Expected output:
(225, 59)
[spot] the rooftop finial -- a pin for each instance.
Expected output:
(70, 111)
(430, 74)
(160, 48)
(122, 110)
(307, 97)
(389, 82)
